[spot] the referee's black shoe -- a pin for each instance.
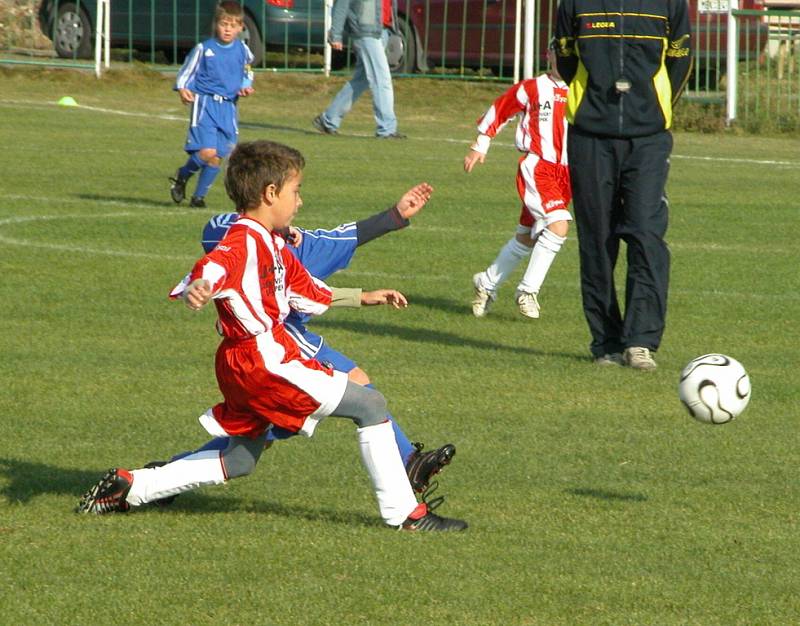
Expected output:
(177, 188)
(197, 203)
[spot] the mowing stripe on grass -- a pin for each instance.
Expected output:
(383, 275)
(179, 118)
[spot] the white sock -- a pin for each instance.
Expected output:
(507, 260)
(382, 460)
(190, 472)
(544, 252)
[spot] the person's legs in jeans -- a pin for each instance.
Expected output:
(348, 94)
(379, 76)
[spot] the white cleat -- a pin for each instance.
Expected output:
(483, 297)
(528, 304)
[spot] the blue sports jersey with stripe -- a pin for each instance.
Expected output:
(216, 69)
(323, 252)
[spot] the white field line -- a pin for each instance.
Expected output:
(178, 212)
(178, 118)
(10, 221)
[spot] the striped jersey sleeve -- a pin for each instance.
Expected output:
(188, 70)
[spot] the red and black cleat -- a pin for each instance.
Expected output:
(423, 465)
(108, 495)
(423, 519)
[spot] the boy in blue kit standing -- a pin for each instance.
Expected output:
(214, 75)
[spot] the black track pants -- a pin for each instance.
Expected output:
(618, 194)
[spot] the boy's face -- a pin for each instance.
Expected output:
(228, 29)
(287, 201)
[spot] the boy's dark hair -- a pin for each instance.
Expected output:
(255, 165)
(229, 8)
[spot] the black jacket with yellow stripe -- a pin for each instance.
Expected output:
(626, 63)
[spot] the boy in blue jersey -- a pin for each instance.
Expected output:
(324, 252)
(213, 77)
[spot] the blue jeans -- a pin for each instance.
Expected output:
(372, 70)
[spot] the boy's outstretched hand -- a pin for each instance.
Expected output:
(197, 294)
(473, 157)
(384, 296)
(413, 200)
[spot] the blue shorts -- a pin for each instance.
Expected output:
(213, 124)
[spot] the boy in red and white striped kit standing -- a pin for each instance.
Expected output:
(542, 182)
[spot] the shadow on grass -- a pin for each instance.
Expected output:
(606, 494)
(438, 337)
(457, 307)
(208, 503)
(29, 479)
(96, 197)
(289, 129)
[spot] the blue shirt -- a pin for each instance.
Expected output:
(323, 252)
(216, 69)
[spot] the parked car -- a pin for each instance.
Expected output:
(444, 33)
(175, 26)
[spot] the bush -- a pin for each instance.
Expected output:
(19, 26)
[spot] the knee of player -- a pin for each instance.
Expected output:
(239, 458)
(560, 228)
(358, 376)
(375, 412)
(209, 156)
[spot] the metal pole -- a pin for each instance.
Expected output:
(107, 40)
(98, 37)
(327, 28)
(530, 13)
(732, 62)
(517, 37)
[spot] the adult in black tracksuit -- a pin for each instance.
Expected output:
(626, 62)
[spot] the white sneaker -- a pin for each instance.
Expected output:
(528, 304)
(483, 297)
(639, 358)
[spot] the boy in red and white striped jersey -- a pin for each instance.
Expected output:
(542, 183)
(254, 281)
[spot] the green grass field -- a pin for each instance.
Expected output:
(593, 498)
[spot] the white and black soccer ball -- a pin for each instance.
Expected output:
(714, 388)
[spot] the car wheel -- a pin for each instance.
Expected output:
(401, 49)
(252, 38)
(72, 32)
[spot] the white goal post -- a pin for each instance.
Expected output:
(102, 37)
(731, 62)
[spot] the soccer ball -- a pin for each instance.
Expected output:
(714, 388)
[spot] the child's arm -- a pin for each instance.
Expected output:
(413, 200)
(306, 294)
(353, 297)
(384, 296)
(507, 106)
(197, 294)
(473, 157)
(247, 78)
(185, 79)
